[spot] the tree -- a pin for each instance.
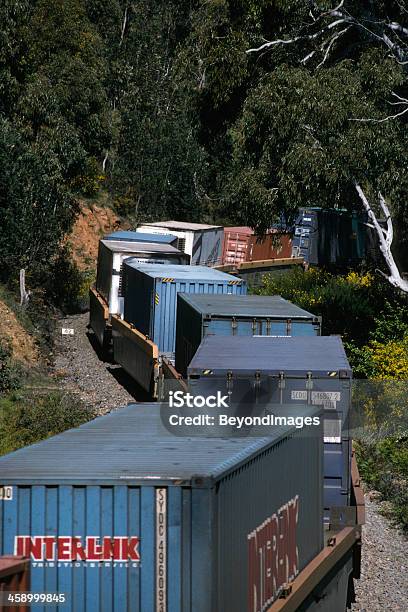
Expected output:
(36, 208)
(156, 164)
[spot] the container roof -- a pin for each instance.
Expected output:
(124, 246)
(182, 225)
(140, 237)
(240, 229)
(294, 355)
(132, 444)
(272, 306)
(193, 273)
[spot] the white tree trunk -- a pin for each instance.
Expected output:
(385, 237)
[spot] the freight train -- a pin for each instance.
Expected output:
(130, 512)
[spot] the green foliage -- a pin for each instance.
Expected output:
(55, 124)
(298, 133)
(348, 304)
(391, 323)
(157, 163)
(69, 289)
(26, 420)
(10, 373)
(160, 104)
(36, 209)
(384, 467)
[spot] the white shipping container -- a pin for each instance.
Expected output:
(111, 255)
(201, 241)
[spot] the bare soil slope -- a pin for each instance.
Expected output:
(93, 222)
(22, 343)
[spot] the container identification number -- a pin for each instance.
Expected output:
(6, 493)
(161, 550)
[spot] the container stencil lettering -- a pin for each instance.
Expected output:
(273, 556)
(69, 548)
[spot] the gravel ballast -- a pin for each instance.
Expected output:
(384, 578)
(79, 363)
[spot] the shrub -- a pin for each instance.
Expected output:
(26, 420)
(68, 286)
(353, 305)
(10, 372)
(384, 466)
(390, 360)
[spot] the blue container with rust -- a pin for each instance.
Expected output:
(238, 315)
(121, 514)
(150, 296)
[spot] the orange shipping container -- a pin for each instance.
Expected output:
(235, 248)
(274, 245)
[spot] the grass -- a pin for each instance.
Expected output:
(27, 417)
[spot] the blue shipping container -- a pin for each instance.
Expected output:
(250, 315)
(150, 296)
(312, 370)
(180, 519)
(130, 236)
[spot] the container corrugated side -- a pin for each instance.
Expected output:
(195, 535)
(275, 245)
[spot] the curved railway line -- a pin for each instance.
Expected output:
(384, 579)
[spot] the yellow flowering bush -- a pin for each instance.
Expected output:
(359, 280)
(390, 360)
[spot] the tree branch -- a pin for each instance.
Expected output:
(385, 238)
(124, 24)
(376, 29)
(368, 120)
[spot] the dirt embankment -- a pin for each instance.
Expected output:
(22, 343)
(93, 222)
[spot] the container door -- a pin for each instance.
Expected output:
(164, 306)
(277, 328)
(335, 397)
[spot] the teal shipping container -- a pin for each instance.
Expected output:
(238, 315)
(150, 296)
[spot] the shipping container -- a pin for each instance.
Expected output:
(150, 296)
(284, 370)
(235, 246)
(121, 514)
(130, 236)
(111, 255)
(330, 237)
(251, 315)
(202, 242)
(273, 245)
